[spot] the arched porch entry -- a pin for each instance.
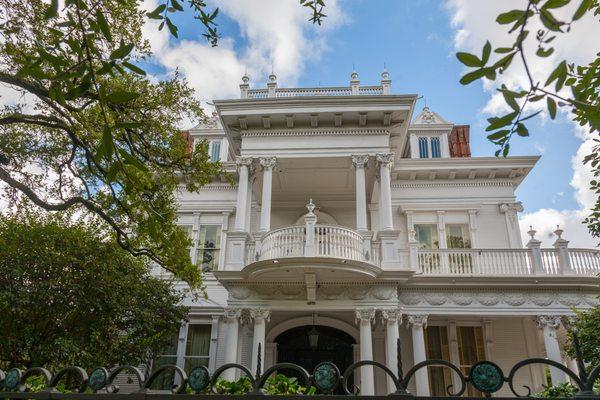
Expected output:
(308, 345)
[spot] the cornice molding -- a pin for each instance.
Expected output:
(315, 132)
(446, 184)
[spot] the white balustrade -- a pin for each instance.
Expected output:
(317, 91)
(330, 241)
(585, 261)
(503, 262)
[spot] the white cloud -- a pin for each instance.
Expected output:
(474, 22)
(277, 35)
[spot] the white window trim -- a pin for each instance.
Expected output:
(444, 144)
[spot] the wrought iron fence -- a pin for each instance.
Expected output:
(485, 376)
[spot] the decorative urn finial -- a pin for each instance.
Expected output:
(272, 77)
(531, 232)
(311, 207)
(558, 232)
(245, 78)
(354, 75)
(385, 75)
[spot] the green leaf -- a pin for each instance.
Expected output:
(176, 5)
(496, 122)
(107, 142)
(549, 21)
(121, 52)
(541, 52)
(134, 68)
(551, 107)
(537, 98)
(502, 50)
(52, 10)
(471, 76)
(510, 16)
(131, 160)
(559, 71)
(172, 28)
(103, 24)
(582, 9)
(121, 96)
(522, 130)
(498, 135)
(156, 13)
(470, 60)
(509, 97)
(485, 55)
(556, 3)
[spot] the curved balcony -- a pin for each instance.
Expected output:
(325, 241)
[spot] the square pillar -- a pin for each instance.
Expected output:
(359, 162)
(267, 163)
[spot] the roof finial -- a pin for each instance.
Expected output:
(245, 78)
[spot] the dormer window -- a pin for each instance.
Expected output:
(429, 146)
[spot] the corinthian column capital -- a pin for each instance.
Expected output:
(364, 314)
(385, 159)
(258, 314)
(232, 313)
(268, 162)
(417, 320)
(360, 160)
(551, 321)
(391, 316)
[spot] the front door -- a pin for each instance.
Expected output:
(332, 345)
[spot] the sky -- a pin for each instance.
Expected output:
(416, 40)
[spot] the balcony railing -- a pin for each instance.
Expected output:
(325, 241)
(507, 262)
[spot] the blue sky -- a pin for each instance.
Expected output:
(416, 40)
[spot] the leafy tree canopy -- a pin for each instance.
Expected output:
(568, 85)
(92, 131)
(70, 295)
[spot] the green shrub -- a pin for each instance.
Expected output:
(241, 386)
(282, 385)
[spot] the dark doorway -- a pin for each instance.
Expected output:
(333, 345)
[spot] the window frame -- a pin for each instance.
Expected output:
(206, 357)
(200, 248)
(211, 147)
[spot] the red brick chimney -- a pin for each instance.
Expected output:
(459, 141)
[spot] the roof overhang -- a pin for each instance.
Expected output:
(241, 115)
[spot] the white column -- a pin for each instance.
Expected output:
(385, 191)
(268, 163)
(260, 317)
(360, 162)
(231, 318)
(181, 345)
(243, 164)
(549, 324)
(367, 378)
(391, 319)
(418, 323)
(473, 229)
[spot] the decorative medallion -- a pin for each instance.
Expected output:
(199, 378)
(12, 379)
(326, 377)
(97, 379)
(486, 377)
(240, 293)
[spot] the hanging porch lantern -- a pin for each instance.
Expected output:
(313, 336)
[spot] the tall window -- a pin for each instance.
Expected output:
(470, 350)
(423, 148)
(436, 345)
(197, 348)
(215, 150)
(435, 147)
(168, 355)
(458, 236)
(209, 247)
(427, 236)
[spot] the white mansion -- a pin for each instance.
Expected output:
(356, 222)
